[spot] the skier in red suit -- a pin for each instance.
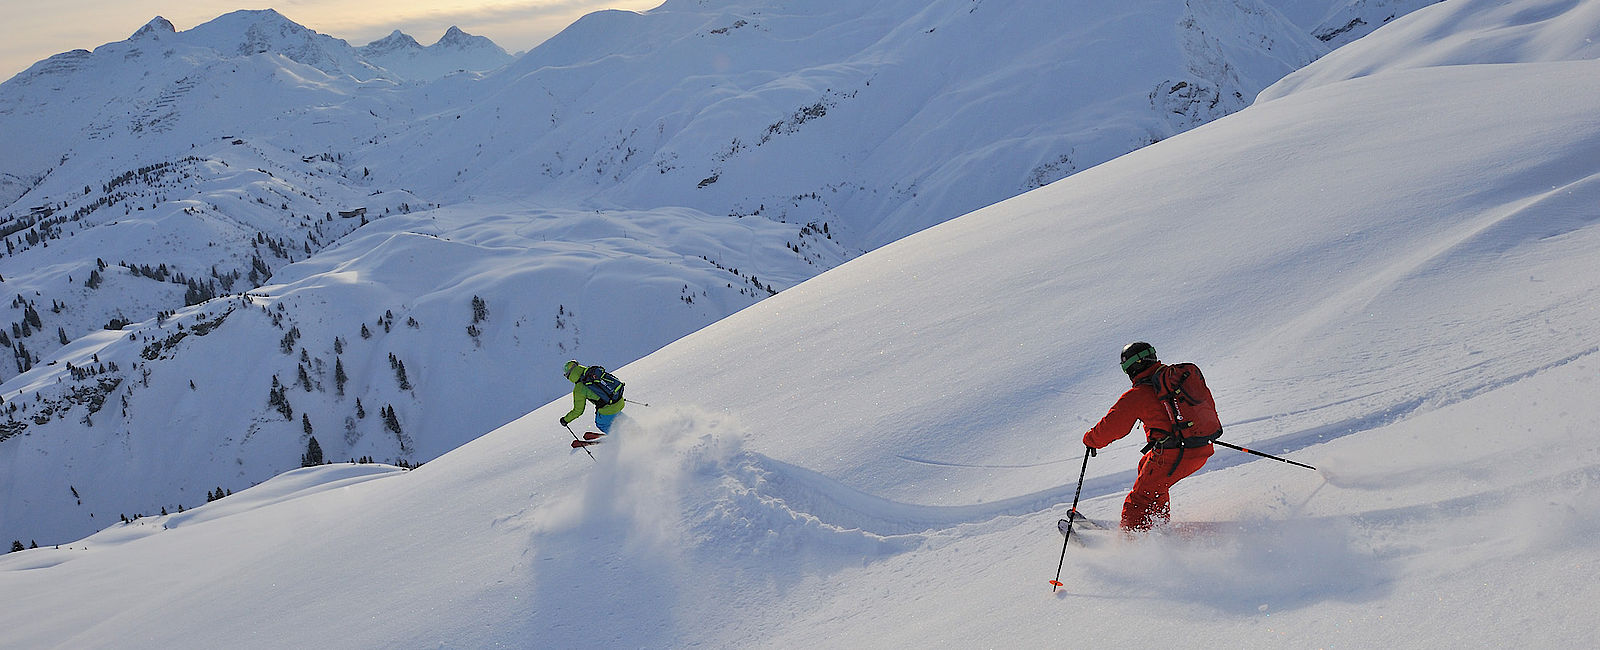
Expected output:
(1163, 465)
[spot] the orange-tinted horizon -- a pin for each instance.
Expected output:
(42, 30)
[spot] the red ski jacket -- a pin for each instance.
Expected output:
(1138, 404)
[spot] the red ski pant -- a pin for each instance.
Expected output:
(1149, 503)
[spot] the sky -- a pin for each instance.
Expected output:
(35, 31)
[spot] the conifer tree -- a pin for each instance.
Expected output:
(480, 310)
(400, 375)
(313, 455)
(277, 400)
(390, 420)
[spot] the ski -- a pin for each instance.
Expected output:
(1091, 524)
(1085, 531)
(579, 444)
(1080, 522)
(592, 435)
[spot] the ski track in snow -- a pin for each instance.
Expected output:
(694, 462)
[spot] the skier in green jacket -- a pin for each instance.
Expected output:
(589, 388)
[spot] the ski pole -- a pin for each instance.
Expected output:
(1252, 451)
(1072, 515)
(585, 449)
(633, 402)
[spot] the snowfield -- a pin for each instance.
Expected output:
(1391, 277)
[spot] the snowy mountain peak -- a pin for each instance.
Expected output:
(456, 39)
(273, 31)
(265, 31)
(457, 50)
(155, 28)
(255, 27)
(396, 41)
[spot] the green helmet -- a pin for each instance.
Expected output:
(568, 370)
(1138, 356)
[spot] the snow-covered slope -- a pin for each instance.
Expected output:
(741, 146)
(1345, 21)
(1463, 32)
(1392, 278)
(382, 320)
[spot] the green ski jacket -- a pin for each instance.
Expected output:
(581, 395)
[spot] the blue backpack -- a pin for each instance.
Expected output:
(604, 384)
